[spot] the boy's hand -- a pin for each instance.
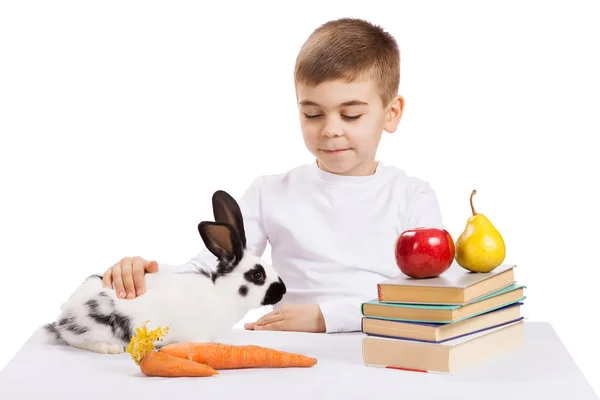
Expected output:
(127, 276)
(291, 317)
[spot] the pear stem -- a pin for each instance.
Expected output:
(473, 208)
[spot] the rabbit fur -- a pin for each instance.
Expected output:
(196, 306)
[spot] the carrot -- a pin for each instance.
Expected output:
(153, 363)
(227, 356)
(157, 363)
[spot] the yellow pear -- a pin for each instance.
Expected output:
(480, 247)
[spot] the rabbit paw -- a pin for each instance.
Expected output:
(100, 347)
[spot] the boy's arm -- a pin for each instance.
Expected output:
(424, 209)
(256, 236)
(329, 316)
(341, 316)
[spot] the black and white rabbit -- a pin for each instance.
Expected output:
(196, 306)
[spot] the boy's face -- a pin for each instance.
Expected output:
(342, 124)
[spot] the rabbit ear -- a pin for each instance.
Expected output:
(221, 240)
(226, 210)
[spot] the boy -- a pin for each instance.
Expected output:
(331, 224)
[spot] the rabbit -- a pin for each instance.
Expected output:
(196, 306)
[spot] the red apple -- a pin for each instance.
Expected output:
(424, 252)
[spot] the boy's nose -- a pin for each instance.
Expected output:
(331, 131)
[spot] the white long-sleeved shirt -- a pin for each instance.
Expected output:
(332, 236)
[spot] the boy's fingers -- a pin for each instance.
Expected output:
(138, 277)
(249, 325)
(152, 266)
(127, 276)
(107, 278)
(118, 281)
(274, 326)
(270, 318)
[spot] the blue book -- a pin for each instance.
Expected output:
(440, 332)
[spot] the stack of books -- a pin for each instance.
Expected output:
(443, 324)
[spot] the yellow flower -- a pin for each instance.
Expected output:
(143, 342)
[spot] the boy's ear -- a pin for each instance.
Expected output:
(394, 114)
(222, 240)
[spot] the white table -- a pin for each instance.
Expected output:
(543, 369)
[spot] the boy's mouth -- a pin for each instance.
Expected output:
(336, 151)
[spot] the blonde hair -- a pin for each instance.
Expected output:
(350, 49)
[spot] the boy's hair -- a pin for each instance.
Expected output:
(350, 49)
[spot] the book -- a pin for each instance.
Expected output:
(438, 332)
(455, 286)
(441, 313)
(447, 357)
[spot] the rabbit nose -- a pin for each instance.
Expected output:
(283, 284)
(274, 293)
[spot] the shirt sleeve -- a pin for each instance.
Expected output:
(424, 209)
(342, 315)
(256, 237)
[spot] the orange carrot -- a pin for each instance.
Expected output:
(227, 356)
(152, 363)
(156, 363)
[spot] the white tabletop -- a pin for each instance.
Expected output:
(541, 369)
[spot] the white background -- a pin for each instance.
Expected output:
(119, 119)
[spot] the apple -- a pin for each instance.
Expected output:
(424, 252)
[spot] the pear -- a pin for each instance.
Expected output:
(480, 247)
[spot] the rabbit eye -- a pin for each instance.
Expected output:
(257, 275)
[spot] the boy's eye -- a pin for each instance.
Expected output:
(351, 117)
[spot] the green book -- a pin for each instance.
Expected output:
(442, 313)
